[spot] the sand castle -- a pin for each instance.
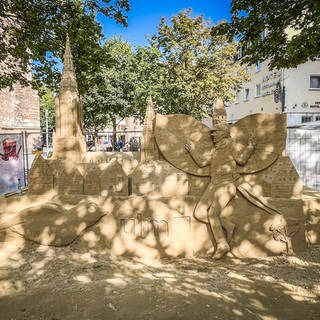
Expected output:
(146, 204)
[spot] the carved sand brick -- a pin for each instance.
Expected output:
(159, 178)
(40, 176)
(113, 180)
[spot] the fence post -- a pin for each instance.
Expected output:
(47, 133)
(24, 137)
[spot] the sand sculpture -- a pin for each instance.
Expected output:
(234, 157)
(68, 138)
(193, 190)
(150, 150)
(227, 161)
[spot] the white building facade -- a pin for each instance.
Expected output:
(300, 87)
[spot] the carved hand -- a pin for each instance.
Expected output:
(252, 139)
(189, 146)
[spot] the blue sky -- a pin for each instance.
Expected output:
(144, 16)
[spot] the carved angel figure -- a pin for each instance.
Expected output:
(226, 154)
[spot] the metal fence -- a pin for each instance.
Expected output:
(303, 147)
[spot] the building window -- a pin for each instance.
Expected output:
(317, 118)
(258, 66)
(246, 94)
(239, 53)
(237, 97)
(258, 90)
(305, 119)
(315, 82)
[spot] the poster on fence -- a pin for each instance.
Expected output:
(11, 163)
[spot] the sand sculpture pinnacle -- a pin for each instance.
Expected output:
(219, 113)
(68, 77)
(150, 113)
(68, 140)
(149, 150)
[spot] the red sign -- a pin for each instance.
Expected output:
(11, 163)
(10, 149)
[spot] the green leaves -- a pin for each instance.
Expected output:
(35, 31)
(112, 95)
(184, 68)
(292, 30)
(195, 67)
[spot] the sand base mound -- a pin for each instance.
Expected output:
(55, 225)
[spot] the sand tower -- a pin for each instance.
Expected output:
(68, 139)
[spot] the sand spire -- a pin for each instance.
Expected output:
(149, 150)
(68, 140)
(219, 113)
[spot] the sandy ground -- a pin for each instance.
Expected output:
(48, 283)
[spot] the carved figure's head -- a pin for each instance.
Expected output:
(220, 131)
(219, 113)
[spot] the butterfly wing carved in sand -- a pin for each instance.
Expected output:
(267, 130)
(173, 131)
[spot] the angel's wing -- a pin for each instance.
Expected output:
(269, 131)
(173, 131)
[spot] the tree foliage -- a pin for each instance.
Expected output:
(35, 30)
(194, 67)
(148, 77)
(184, 68)
(292, 30)
(112, 96)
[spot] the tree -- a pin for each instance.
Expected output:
(148, 74)
(113, 95)
(285, 31)
(194, 67)
(183, 68)
(35, 30)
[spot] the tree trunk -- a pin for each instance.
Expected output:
(96, 144)
(114, 135)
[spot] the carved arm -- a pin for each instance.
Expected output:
(242, 155)
(198, 158)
